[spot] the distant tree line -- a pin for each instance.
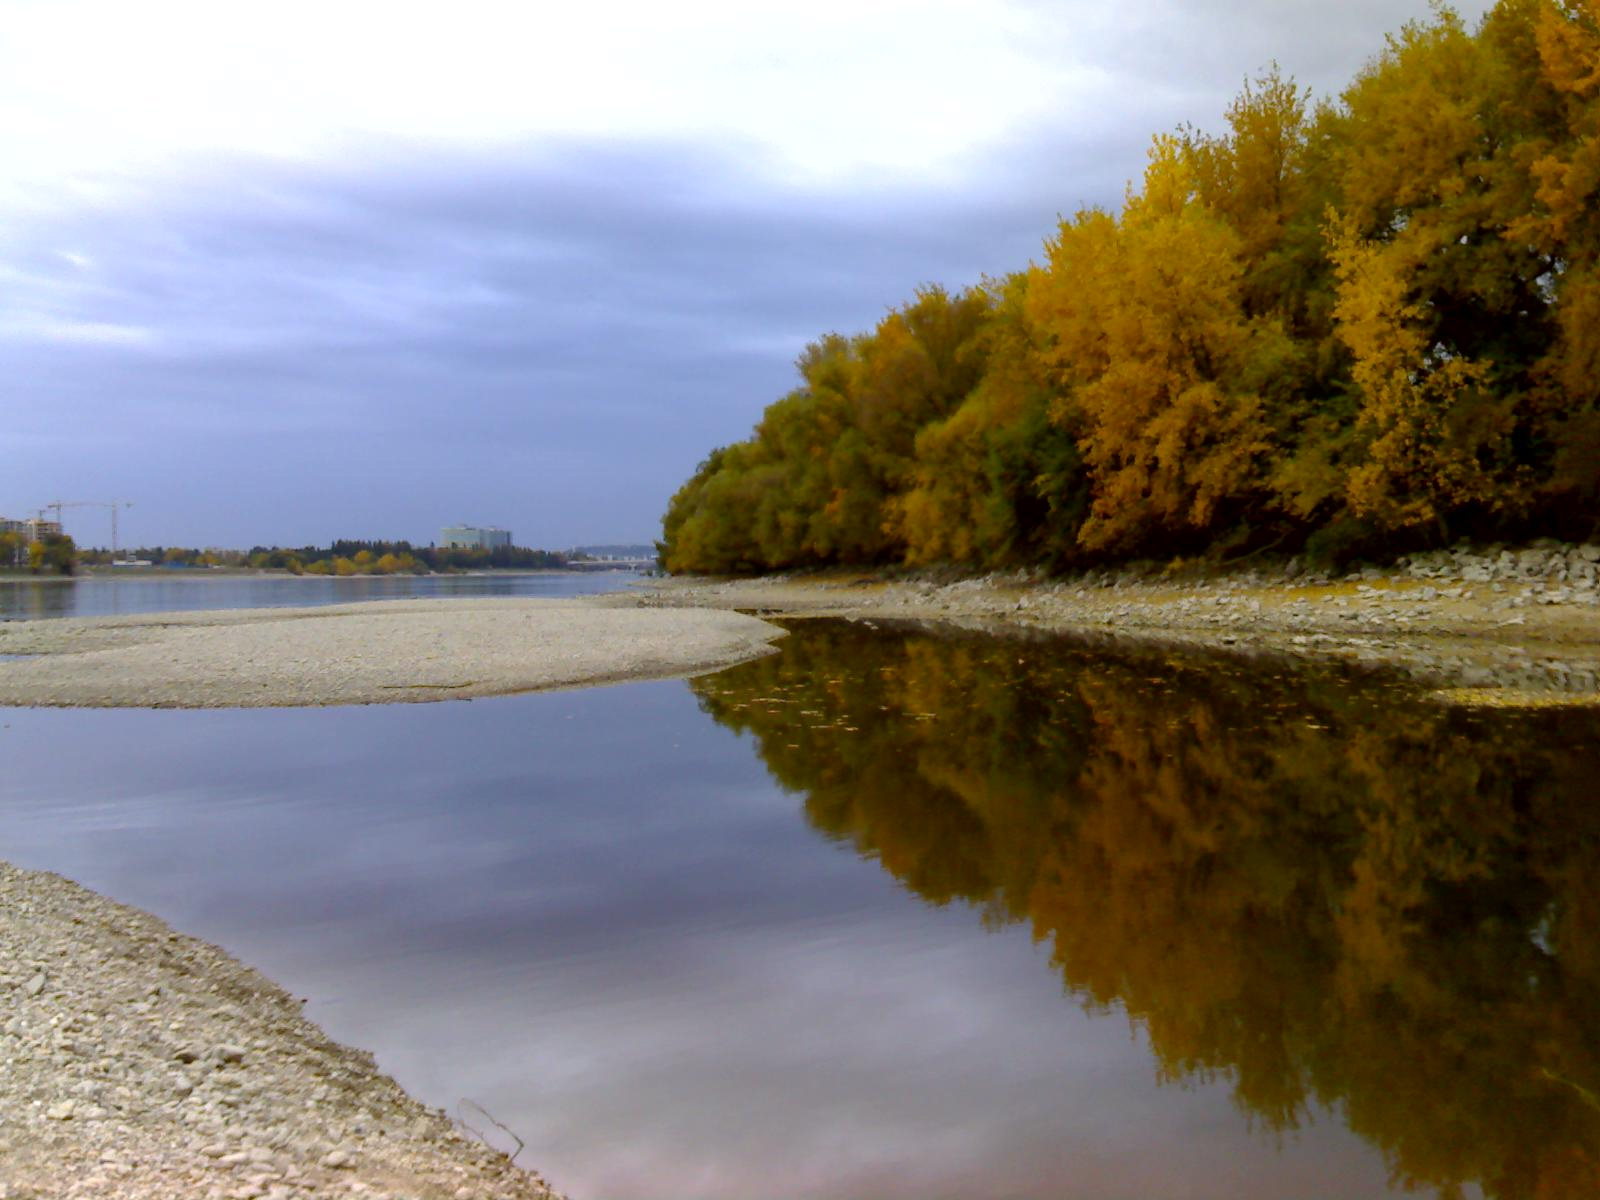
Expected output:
(1351, 328)
(175, 556)
(54, 553)
(346, 556)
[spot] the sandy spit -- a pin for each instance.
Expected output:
(384, 652)
(139, 1064)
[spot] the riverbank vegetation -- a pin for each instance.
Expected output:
(54, 554)
(345, 557)
(1353, 328)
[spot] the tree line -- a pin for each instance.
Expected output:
(348, 556)
(53, 552)
(1353, 328)
(345, 556)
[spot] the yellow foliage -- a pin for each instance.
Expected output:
(1257, 178)
(1219, 366)
(942, 516)
(1414, 465)
(1412, 121)
(1150, 338)
(1569, 45)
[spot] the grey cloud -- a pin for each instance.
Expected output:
(558, 332)
(619, 310)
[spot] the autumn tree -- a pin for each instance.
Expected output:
(1164, 367)
(997, 482)
(1424, 419)
(1364, 323)
(708, 522)
(1564, 223)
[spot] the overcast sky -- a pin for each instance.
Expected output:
(291, 271)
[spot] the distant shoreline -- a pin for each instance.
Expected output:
(195, 574)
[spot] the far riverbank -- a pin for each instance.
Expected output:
(108, 593)
(1492, 626)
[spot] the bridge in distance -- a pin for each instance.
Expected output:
(612, 564)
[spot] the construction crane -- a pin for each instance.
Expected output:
(113, 505)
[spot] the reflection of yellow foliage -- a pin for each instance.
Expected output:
(1327, 895)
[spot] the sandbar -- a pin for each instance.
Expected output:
(379, 652)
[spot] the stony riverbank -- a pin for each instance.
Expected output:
(139, 1064)
(1491, 625)
(381, 652)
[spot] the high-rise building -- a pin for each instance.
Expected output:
(35, 529)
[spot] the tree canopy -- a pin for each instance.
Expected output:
(1370, 324)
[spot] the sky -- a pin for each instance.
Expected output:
(279, 273)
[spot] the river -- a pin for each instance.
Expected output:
(892, 915)
(198, 591)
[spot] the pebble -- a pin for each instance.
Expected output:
(405, 651)
(1453, 612)
(126, 1000)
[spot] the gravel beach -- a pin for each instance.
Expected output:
(140, 1064)
(373, 653)
(1482, 626)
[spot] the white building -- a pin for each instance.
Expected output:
(475, 537)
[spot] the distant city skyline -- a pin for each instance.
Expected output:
(86, 532)
(289, 273)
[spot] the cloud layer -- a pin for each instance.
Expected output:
(296, 280)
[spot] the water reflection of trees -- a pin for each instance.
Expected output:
(1321, 891)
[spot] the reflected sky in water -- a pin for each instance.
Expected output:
(599, 914)
(23, 599)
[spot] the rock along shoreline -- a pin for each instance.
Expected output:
(1489, 626)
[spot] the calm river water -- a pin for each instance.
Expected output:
(190, 591)
(888, 915)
